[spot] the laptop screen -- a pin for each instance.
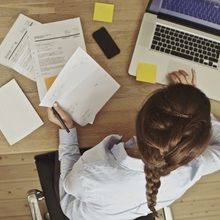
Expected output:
(203, 12)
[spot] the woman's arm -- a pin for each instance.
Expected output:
(68, 151)
(68, 143)
(71, 171)
(69, 154)
(211, 156)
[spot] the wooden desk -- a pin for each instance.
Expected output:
(17, 170)
(118, 115)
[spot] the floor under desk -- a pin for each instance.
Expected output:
(17, 169)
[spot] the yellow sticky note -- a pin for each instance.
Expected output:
(103, 12)
(146, 72)
(49, 81)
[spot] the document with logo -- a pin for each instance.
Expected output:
(15, 51)
(17, 116)
(82, 88)
(52, 44)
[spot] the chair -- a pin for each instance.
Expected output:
(48, 172)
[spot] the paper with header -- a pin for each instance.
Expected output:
(14, 49)
(82, 88)
(17, 116)
(52, 44)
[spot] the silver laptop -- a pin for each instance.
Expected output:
(181, 34)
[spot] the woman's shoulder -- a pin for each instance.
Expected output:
(102, 151)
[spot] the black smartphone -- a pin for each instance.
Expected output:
(106, 43)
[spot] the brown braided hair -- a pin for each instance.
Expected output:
(172, 127)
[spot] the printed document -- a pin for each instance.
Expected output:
(14, 49)
(81, 88)
(17, 116)
(52, 44)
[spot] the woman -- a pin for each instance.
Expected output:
(177, 143)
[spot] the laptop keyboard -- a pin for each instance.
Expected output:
(185, 45)
(202, 9)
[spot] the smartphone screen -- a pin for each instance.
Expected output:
(106, 43)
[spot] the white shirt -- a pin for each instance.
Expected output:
(106, 183)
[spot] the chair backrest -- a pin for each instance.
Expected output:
(45, 164)
(48, 171)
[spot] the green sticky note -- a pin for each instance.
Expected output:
(103, 12)
(146, 72)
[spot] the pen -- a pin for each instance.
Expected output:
(60, 119)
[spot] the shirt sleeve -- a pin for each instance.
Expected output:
(72, 186)
(71, 169)
(69, 154)
(211, 156)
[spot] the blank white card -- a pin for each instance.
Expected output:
(17, 116)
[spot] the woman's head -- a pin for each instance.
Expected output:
(173, 127)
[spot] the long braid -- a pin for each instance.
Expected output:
(152, 186)
(173, 127)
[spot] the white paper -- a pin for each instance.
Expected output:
(52, 45)
(14, 49)
(17, 116)
(82, 88)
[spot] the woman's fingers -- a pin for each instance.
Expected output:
(52, 117)
(50, 114)
(173, 78)
(183, 77)
(64, 115)
(194, 77)
(186, 79)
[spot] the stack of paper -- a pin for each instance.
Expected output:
(15, 51)
(51, 46)
(45, 53)
(39, 51)
(17, 116)
(82, 88)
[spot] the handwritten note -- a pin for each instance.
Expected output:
(81, 88)
(103, 12)
(146, 72)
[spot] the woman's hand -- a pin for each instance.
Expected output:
(181, 76)
(64, 115)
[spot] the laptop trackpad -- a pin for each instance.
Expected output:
(175, 66)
